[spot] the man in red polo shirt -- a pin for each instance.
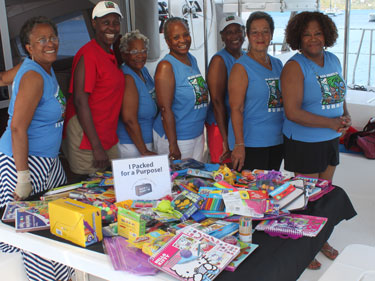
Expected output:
(97, 87)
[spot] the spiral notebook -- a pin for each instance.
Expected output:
(293, 226)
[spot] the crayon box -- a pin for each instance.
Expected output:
(75, 221)
(130, 224)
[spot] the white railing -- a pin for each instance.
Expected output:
(278, 48)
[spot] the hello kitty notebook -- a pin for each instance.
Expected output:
(194, 255)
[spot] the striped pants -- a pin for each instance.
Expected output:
(46, 173)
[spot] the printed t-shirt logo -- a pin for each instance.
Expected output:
(200, 90)
(62, 101)
(275, 101)
(333, 90)
(152, 93)
(109, 4)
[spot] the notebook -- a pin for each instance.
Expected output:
(9, 214)
(31, 219)
(293, 226)
(194, 255)
(246, 250)
(290, 198)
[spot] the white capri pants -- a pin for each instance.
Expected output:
(129, 150)
(192, 148)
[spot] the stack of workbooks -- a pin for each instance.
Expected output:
(27, 215)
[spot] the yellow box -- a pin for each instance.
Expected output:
(75, 221)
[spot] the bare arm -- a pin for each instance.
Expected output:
(165, 87)
(81, 104)
(237, 86)
(346, 118)
(292, 92)
(217, 85)
(7, 77)
(29, 94)
(129, 114)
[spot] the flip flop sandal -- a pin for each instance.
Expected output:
(329, 251)
(314, 265)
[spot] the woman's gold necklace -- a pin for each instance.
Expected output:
(266, 63)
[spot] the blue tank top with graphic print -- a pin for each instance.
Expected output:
(263, 108)
(324, 94)
(45, 130)
(190, 100)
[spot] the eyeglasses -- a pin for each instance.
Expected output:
(44, 41)
(136, 52)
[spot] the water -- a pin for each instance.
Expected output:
(358, 20)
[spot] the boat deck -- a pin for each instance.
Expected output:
(354, 175)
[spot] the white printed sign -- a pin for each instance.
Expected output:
(141, 178)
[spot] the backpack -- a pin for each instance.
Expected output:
(362, 140)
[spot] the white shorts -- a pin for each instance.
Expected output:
(192, 148)
(129, 150)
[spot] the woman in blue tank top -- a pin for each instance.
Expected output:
(182, 96)
(29, 147)
(232, 32)
(254, 131)
(313, 91)
(138, 107)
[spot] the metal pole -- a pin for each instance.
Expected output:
(205, 35)
(132, 15)
(239, 8)
(5, 41)
(369, 63)
(169, 9)
(356, 59)
(346, 39)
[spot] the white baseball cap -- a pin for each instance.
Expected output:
(227, 20)
(104, 8)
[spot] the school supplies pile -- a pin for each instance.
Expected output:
(200, 228)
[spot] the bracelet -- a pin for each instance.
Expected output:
(239, 144)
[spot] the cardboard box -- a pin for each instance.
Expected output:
(75, 221)
(130, 224)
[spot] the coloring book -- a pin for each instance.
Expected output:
(246, 250)
(31, 219)
(9, 214)
(194, 255)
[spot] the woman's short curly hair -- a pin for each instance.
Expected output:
(171, 21)
(28, 27)
(130, 36)
(298, 24)
(258, 15)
